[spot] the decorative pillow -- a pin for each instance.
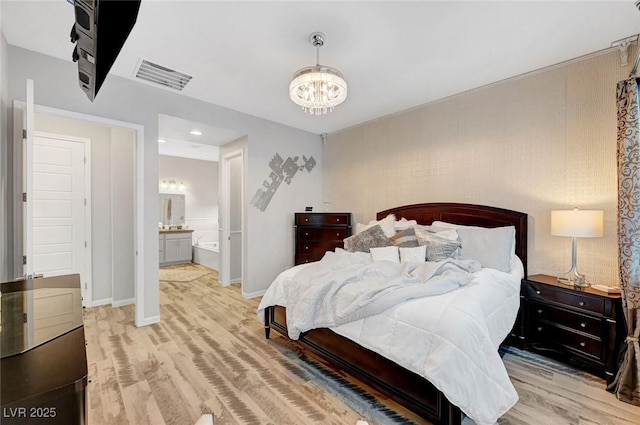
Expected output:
(437, 248)
(492, 247)
(403, 223)
(415, 254)
(387, 225)
(405, 238)
(371, 238)
(389, 253)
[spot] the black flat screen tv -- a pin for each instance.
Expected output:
(100, 30)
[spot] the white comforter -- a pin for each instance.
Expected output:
(450, 339)
(343, 288)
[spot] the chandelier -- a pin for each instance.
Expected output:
(318, 89)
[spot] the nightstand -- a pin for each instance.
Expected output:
(579, 325)
(317, 233)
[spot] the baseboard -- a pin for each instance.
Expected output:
(104, 301)
(253, 294)
(238, 280)
(121, 303)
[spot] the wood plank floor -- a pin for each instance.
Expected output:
(209, 355)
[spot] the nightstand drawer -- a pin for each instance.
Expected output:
(322, 233)
(323, 219)
(582, 344)
(569, 319)
(571, 298)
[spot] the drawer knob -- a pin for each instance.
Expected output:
(338, 220)
(338, 234)
(582, 344)
(306, 219)
(581, 303)
(583, 325)
(306, 233)
(537, 292)
(306, 247)
(539, 328)
(540, 311)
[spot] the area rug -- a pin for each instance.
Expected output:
(181, 275)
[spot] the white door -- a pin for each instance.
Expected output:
(231, 218)
(59, 198)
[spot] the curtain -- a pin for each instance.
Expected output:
(626, 385)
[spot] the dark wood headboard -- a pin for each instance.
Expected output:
(467, 214)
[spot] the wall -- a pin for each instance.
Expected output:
(132, 102)
(112, 201)
(5, 229)
(539, 142)
(201, 192)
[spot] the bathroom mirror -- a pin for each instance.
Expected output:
(172, 209)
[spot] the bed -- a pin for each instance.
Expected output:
(400, 384)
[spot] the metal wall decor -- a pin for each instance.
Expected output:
(281, 170)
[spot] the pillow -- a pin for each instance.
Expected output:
(492, 247)
(444, 232)
(403, 224)
(389, 253)
(387, 225)
(367, 239)
(437, 248)
(405, 238)
(413, 254)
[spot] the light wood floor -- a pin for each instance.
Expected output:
(209, 354)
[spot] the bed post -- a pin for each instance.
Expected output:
(267, 321)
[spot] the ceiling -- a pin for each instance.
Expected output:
(394, 55)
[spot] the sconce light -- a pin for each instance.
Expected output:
(171, 185)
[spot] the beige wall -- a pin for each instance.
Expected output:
(539, 142)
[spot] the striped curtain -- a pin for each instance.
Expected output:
(627, 383)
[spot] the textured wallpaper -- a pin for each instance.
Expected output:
(535, 143)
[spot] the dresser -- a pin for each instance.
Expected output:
(578, 325)
(317, 233)
(44, 361)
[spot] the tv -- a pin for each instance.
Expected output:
(100, 30)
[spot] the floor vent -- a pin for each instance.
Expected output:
(164, 76)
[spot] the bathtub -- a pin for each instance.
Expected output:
(207, 254)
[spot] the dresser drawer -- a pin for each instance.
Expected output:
(321, 233)
(323, 219)
(577, 342)
(573, 320)
(571, 298)
(317, 247)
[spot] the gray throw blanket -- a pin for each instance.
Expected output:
(345, 287)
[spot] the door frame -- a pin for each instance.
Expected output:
(87, 298)
(139, 206)
(225, 209)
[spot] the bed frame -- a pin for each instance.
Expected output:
(404, 387)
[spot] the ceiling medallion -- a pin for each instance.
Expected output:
(318, 89)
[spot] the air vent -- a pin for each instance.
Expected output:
(164, 76)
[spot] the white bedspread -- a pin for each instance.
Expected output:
(342, 288)
(451, 339)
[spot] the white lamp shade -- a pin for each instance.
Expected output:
(577, 223)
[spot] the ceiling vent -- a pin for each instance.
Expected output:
(164, 76)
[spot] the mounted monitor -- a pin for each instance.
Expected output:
(101, 28)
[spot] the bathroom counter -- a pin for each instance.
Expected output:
(175, 231)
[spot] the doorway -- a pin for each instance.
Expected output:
(232, 214)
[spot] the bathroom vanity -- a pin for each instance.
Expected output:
(175, 246)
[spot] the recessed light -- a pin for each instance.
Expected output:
(196, 132)
(161, 141)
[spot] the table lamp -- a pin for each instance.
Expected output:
(576, 224)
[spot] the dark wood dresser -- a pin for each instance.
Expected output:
(44, 361)
(578, 325)
(317, 233)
